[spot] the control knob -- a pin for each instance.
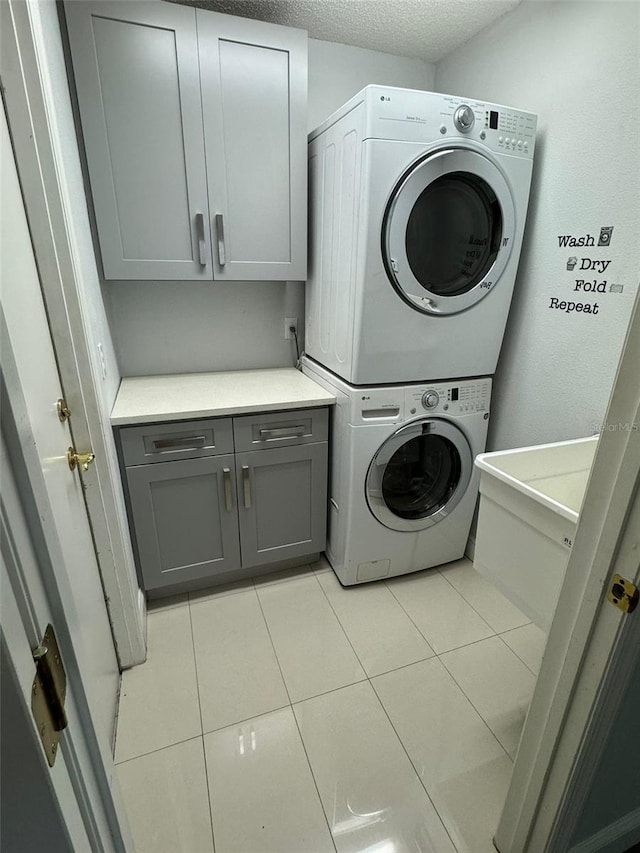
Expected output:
(464, 118)
(430, 399)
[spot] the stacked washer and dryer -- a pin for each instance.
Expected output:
(417, 212)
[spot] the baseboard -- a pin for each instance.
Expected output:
(617, 837)
(470, 550)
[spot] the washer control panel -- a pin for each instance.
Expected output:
(430, 399)
(464, 397)
(464, 118)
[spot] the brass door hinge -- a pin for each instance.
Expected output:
(64, 413)
(623, 594)
(48, 694)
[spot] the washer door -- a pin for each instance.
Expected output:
(448, 230)
(419, 475)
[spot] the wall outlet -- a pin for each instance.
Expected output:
(288, 323)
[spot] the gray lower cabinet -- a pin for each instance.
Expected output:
(282, 498)
(199, 511)
(185, 529)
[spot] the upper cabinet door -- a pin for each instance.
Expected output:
(254, 101)
(137, 79)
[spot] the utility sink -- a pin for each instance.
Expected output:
(530, 500)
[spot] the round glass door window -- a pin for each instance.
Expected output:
(419, 475)
(447, 231)
(453, 234)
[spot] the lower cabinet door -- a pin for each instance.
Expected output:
(185, 519)
(282, 502)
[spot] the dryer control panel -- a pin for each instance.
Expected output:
(413, 116)
(453, 398)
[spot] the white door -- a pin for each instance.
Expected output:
(575, 779)
(28, 352)
(68, 806)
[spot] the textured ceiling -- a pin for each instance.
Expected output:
(424, 29)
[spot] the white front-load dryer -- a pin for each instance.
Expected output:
(403, 487)
(417, 204)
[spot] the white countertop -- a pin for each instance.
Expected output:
(145, 399)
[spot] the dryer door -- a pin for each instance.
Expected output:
(448, 231)
(419, 475)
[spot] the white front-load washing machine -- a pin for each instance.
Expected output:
(417, 211)
(403, 486)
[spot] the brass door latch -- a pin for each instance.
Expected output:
(623, 594)
(82, 459)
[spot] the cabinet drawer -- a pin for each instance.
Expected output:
(170, 442)
(280, 429)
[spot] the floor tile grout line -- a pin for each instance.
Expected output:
(369, 679)
(293, 713)
(413, 766)
(435, 653)
(204, 752)
(273, 646)
(408, 615)
(343, 629)
(402, 666)
(340, 625)
(475, 708)
(209, 798)
(313, 777)
(327, 692)
(195, 666)
(464, 598)
(465, 645)
(513, 651)
(473, 607)
(517, 628)
(153, 751)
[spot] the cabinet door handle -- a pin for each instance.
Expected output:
(222, 257)
(189, 442)
(246, 486)
(202, 248)
(282, 432)
(226, 477)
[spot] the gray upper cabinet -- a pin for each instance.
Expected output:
(194, 126)
(254, 102)
(137, 79)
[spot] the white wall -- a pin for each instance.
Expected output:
(576, 65)
(175, 327)
(337, 71)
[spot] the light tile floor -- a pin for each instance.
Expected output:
(287, 714)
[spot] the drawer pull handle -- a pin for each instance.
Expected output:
(282, 432)
(246, 486)
(202, 247)
(222, 255)
(190, 442)
(226, 477)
